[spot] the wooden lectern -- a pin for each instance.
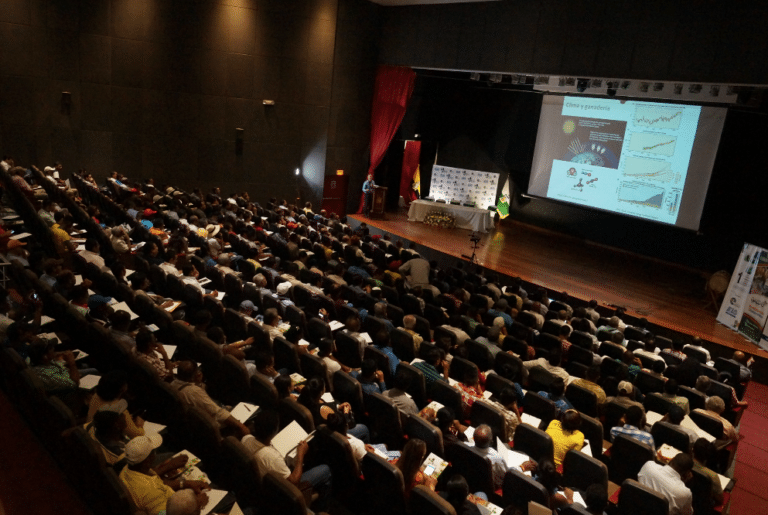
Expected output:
(378, 201)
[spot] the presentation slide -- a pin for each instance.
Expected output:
(638, 158)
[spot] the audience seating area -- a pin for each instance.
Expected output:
(319, 273)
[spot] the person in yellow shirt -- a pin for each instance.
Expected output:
(566, 435)
(150, 492)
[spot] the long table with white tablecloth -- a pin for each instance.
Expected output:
(472, 218)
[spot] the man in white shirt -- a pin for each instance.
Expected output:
(483, 437)
(551, 365)
(669, 481)
(91, 253)
(265, 427)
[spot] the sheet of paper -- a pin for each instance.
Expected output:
(220, 295)
(79, 354)
(286, 440)
(235, 510)
(80, 248)
(214, 498)
(129, 272)
(89, 382)
(303, 342)
(122, 306)
(153, 328)
(244, 411)
(335, 325)
(452, 382)
(668, 452)
(20, 236)
(49, 336)
(487, 394)
(173, 306)
(169, 349)
(587, 449)
(577, 498)
(723, 481)
(435, 406)
(78, 280)
(651, 417)
(366, 338)
(511, 458)
(687, 422)
(327, 398)
(150, 428)
(11, 217)
(297, 378)
(46, 320)
(530, 420)
(469, 432)
(203, 281)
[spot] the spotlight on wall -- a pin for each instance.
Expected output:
(268, 102)
(297, 171)
(643, 88)
(714, 90)
(658, 86)
(582, 85)
(678, 88)
(694, 88)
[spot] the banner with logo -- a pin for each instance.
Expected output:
(745, 305)
(465, 186)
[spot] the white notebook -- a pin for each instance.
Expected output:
(288, 439)
(214, 498)
(243, 411)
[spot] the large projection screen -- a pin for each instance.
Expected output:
(648, 160)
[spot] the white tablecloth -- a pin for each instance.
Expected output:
(466, 217)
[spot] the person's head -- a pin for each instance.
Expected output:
(312, 391)
(411, 458)
(183, 502)
(20, 332)
(683, 464)
(380, 309)
(554, 359)
(671, 387)
(470, 376)
(703, 383)
(92, 245)
(112, 385)
(557, 388)
(144, 340)
(456, 491)
(266, 424)
(593, 374)
(368, 368)
(42, 351)
(483, 436)
(433, 357)
(337, 422)
(353, 324)
(401, 381)
(283, 384)
(571, 420)
(596, 498)
(381, 339)
(271, 317)
(565, 331)
(508, 397)
(109, 424)
(703, 449)
(325, 347)
(444, 419)
(715, 404)
(628, 357)
(409, 322)
(188, 371)
(264, 359)
(139, 281)
(140, 451)
(549, 477)
(247, 307)
(740, 357)
(202, 319)
(634, 416)
(658, 366)
(217, 335)
(676, 414)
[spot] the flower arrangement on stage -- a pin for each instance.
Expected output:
(440, 219)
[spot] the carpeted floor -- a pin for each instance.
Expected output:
(750, 495)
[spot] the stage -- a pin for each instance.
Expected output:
(668, 295)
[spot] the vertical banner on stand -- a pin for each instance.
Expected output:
(745, 305)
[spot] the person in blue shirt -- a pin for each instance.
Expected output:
(368, 192)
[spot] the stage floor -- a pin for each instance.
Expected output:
(666, 294)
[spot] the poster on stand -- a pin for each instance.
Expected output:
(745, 305)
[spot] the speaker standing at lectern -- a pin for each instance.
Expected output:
(368, 192)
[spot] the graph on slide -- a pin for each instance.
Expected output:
(641, 194)
(658, 117)
(651, 169)
(653, 143)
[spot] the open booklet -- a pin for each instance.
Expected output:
(651, 417)
(433, 466)
(243, 411)
(289, 438)
(511, 458)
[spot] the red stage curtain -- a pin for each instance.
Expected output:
(393, 89)
(410, 165)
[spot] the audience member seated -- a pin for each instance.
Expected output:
(551, 365)
(149, 350)
(265, 426)
(483, 438)
(111, 391)
(702, 452)
(590, 383)
(670, 393)
(409, 464)
(371, 379)
(669, 480)
(625, 395)
(634, 419)
(456, 492)
(397, 393)
(311, 398)
(714, 406)
(148, 486)
(507, 403)
(557, 395)
(566, 435)
(189, 383)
